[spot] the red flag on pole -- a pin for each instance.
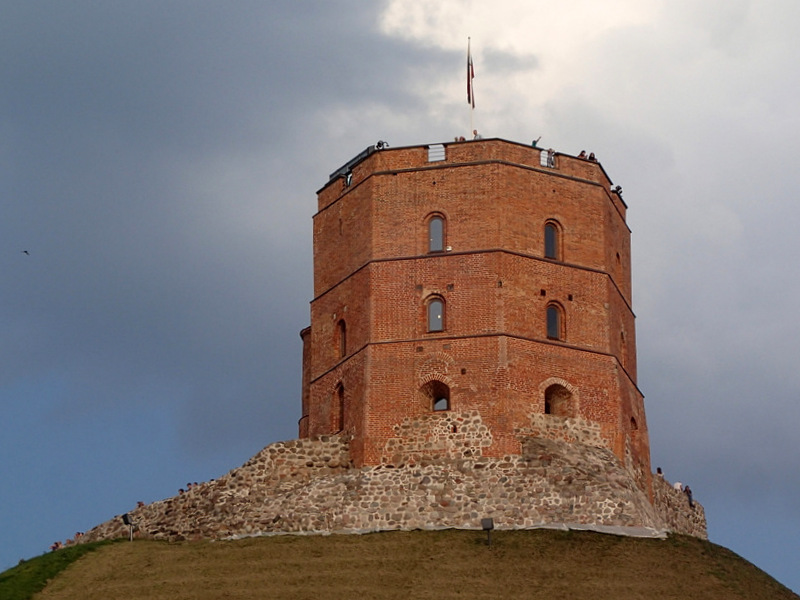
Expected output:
(470, 76)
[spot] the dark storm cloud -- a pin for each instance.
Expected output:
(136, 276)
(180, 73)
(159, 162)
(159, 165)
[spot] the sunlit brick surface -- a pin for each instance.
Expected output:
(373, 270)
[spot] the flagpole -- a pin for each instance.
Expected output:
(471, 124)
(470, 90)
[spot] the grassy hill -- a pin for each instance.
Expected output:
(408, 565)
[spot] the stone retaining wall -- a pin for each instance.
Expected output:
(445, 434)
(311, 486)
(565, 429)
(673, 509)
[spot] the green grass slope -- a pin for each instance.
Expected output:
(413, 565)
(29, 577)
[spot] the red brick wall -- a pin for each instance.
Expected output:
(372, 269)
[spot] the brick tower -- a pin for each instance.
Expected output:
(472, 280)
(471, 356)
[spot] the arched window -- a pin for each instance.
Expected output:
(436, 234)
(435, 314)
(552, 240)
(555, 322)
(341, 335)
(436, 395)
(558, 401)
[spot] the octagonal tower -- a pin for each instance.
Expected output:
(471, 280)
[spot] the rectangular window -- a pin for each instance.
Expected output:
(435, 152)
(543, 158)
(547, 158)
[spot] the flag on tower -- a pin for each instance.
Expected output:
(470, 76)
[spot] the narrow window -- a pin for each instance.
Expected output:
(339, 399)
(551, 241)
(436, 234)
(623, 348)
(341, 334)
(436, 315)
(554, 331)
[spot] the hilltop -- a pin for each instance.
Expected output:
(432, 564)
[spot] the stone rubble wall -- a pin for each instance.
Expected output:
(446, 434)
(311, 486)
(673, 509)
(565, 429)
(451, 434)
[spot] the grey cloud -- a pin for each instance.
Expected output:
(159, 161)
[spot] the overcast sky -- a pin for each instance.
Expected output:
(159, 163)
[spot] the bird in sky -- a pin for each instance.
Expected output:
(26, 252)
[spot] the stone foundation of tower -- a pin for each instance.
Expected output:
(311, 486)
(471, 355)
